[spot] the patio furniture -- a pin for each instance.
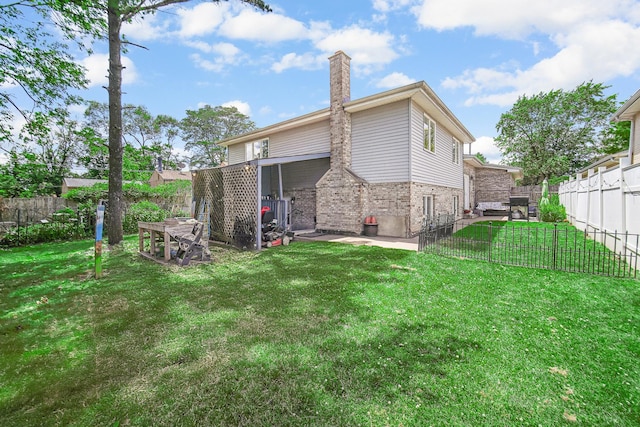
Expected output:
(191, 245)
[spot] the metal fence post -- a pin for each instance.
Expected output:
(18, 241)
(554, 248)
(490, 239)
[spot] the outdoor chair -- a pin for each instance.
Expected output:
(191, 246)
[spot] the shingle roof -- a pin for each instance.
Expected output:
(82, 182)
(170, 175)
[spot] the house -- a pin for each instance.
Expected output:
(73, 183)
(488, 185)
(396, 155)
(166, 176)
(630, 112)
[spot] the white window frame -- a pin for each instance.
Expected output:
(456, 151)
(256, 149)
(429, 135)
(428, 205)
(456, 205)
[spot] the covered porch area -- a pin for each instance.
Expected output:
(232, 198)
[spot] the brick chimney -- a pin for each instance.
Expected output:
(340, 120)
(340, 194)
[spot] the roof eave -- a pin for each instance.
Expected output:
(628, 110)
(314, 117)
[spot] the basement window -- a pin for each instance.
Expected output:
(428, 206)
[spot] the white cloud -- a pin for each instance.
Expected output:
(306, 61)
(591, 40)
(516, 19)
(242, 106)
(145, 29)
(394, 80)
(97, 66)
(224, 55)
(202, 19)
(487, 147)
(368, 49)
(251, 24)
(390, 5)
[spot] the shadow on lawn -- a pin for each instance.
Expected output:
(255, 340)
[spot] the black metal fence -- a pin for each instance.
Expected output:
(33, 226)
(435, 228)
(539, 245)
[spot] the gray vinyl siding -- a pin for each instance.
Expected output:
(310, 139)
(236, 154)
(433, 168)
(380, 143)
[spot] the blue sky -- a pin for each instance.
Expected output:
(478, 55)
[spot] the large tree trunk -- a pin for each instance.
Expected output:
(114, 221)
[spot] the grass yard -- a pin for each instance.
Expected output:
(312, 334)
(543, 245)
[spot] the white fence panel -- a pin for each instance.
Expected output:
(606, 200)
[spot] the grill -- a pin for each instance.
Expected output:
(518, 208)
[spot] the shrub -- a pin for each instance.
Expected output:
(41, 233)
(143, 211)
(551, 210)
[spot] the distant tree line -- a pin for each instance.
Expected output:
(37, 163)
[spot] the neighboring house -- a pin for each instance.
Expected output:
(489, 183)
(606, 162)
(396, 155)
(630, 112)
(164, 177)
(73, 183)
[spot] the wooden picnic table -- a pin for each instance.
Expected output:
(163, 230)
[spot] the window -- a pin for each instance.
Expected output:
(456, 151)
(456, 204)
(427, 206)
(257, 150)
(429, 134)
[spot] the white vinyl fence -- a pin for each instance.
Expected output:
(607, 201)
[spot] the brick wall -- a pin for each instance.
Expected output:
(493, 185)
(303, 208)
(340, 202)
(443, 199)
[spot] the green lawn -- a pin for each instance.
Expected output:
(312, 334)
(543, 245)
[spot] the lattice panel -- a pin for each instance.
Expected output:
(230, 194)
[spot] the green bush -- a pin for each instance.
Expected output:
(143, 211)
(41, 233)
(551, 210)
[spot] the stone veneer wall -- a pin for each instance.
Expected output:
(443, 198)
(493, 185)
(340, 197)
(303, 208)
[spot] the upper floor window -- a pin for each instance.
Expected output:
(456, 151)
(429, 134)
(257, 149)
